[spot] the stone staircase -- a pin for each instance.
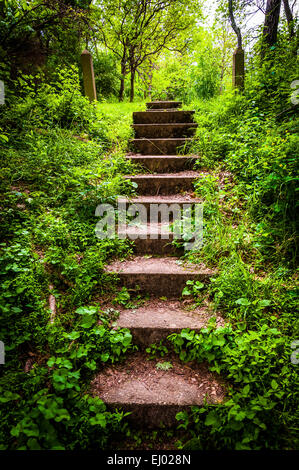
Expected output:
(154, 396)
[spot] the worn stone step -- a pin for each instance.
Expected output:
(163, 104)
(165, 183)
(162, 110)
(160, 146)
(151, 239)
(158, 131)
(156, 319)
(157, 276)
(154, 396)
(167, 116)
(164, 163)
(161, 202)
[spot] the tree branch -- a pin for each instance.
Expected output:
(233, 23)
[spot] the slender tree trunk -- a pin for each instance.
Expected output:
(122, 82)
(121, 89)
(238, 57)
(289, 17)
(221, 78)
(271, 22)
(150, 81)
(150, 87)
(132, 85)
(233, 23)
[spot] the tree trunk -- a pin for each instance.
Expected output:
(121, 90)
(122, 82)
(150, 82)
(233, 23)
(221, 78)
(132, 85)
(238, 57)
(289, 17)
(271, 22)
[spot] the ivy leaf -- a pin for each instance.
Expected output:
(274, 384)
(186, 291)
(104, 357)
(8, 396)
(33, 444)
(98, 419)
(87, 321)
(91, 365)
(243, 301)
(189, 335)
(212, 419)
(199, 285)
(72, 336)
(264, 303)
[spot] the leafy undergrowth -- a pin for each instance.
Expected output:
(249, 146)
(260, 409)
(61, 157)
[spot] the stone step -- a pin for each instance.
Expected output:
(163, 104)
(154, 396)
(165, 183)
(168, 202)
(164, 130)
(160, 146)
(163, 163)
(151, 239)
(157, 319)
(157, 276)
(162, 110)
(158, 117)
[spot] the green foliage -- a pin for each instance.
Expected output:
(157, 350)
(198, 72)
(245, 135)
(57, 103)
(47, 422)
(53, 410)
(58, 163)
(138, 32)
(22, 296)
(165, 365)
(194, 288)
(262, 390)
(123, 297)
(249, 142)
(37, 35)
(256, 300)
(106, 76)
